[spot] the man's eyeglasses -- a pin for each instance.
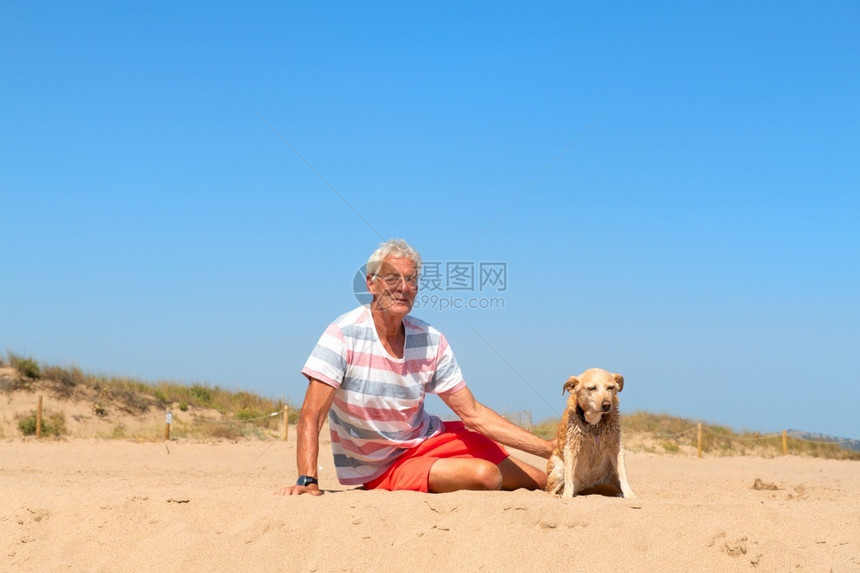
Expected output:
(394, 280)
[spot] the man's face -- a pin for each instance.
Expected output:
(394, 286)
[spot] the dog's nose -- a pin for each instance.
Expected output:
(606, 406)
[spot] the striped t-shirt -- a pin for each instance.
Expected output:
(378, 408)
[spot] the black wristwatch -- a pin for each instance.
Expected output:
(307, 480)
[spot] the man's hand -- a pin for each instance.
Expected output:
(317, 402)
(312, 489)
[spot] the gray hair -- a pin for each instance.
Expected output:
(392, 248)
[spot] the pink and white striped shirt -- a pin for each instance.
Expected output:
(378, 408)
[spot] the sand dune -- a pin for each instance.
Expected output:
(114, 505)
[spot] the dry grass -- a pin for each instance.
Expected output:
(199, 411)
(675, 434)
(661, 433)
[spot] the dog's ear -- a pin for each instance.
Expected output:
(619, 379)
(570, 385)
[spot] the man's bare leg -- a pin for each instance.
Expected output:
(518, 474)
(452, 474)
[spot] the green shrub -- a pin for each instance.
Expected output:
(27, 424)
(53, 424)
(248, 414)
(201, 394)
(29, 368)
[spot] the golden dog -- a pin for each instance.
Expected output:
(589, 457)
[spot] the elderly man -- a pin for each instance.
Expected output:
(369, 373)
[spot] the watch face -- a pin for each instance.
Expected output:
(306, 480)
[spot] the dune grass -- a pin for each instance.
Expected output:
(204, 411)
(673, 434)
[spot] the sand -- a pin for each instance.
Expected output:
(116, 505)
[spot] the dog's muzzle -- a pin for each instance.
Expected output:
(606, 406)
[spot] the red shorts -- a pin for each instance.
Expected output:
(411, 471)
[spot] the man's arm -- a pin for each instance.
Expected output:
(318, 399)
(478, 417)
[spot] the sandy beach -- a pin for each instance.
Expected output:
(116, 505)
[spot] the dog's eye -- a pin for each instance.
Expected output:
(610, 387)
(592, 388)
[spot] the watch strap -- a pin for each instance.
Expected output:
(307, 480)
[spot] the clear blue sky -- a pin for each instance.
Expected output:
(700, 236)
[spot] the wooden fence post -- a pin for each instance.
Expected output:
(39, 418)
(286, 422)
(700, 439)
(784, 443)
(168, 420)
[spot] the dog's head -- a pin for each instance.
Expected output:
(594, 392)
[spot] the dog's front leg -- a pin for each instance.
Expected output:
(555, 473)
(621, 471)
(570, 451)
